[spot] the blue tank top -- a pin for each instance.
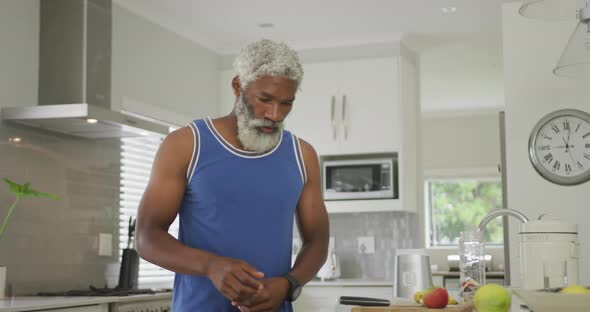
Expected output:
(237, 204)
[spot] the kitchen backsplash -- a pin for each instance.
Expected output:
(49, 245)
(391, 231)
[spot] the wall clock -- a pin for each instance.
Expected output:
(559, 147)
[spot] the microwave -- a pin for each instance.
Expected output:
(351, 177)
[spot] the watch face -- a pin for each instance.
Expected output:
(296, 292)
(559, 147)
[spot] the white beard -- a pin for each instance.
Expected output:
(249, 134)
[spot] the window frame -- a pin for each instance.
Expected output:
(429, 215)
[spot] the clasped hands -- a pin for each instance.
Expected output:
(245, 286)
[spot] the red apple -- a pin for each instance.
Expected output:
(436, 298)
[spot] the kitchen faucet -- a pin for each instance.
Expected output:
(501, 212)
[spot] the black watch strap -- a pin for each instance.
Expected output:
(294, 287)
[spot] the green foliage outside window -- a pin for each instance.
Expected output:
(457, 206)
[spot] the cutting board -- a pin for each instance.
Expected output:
(415, 308)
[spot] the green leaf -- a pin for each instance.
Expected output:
(34, 193)
(25, 190)
(14, 187)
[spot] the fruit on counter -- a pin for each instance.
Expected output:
(418, 296)
(436, 298)
(492, 298)
(575, 289)
(452, 300)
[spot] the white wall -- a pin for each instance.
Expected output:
(169, 74)
(531, 50)
(19, 52)
(227, 98)
(463, 74)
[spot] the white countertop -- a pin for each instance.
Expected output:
(16, 304)
(349, 282)
(515, 306)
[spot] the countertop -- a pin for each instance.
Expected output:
(26, 303)
(516, 306)
(349, 282)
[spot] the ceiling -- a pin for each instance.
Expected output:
(225, 25)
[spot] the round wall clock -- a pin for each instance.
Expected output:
(559, 147)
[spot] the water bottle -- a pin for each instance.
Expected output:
(472, 265)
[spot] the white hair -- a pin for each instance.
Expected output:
(267, 57)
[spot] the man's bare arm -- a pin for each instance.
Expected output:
(312, 221)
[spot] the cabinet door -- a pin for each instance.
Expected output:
(370, 106)
(315, 112)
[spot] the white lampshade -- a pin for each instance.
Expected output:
(575, 59)
(551, 9)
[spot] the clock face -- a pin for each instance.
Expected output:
(559, 147)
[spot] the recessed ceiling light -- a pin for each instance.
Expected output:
(266, 25)
(448, 10)
(15, 139)
(91, 120)
(144, 133)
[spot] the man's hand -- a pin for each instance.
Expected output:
(269, 298)
(235, 279)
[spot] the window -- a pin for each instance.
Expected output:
(458, 205)
(137, 156)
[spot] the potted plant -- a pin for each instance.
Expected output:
(20, 191)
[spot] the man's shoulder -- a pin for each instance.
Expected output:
(178, 144)
(180, 136)
(306, 148)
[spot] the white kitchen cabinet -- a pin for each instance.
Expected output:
(325, 298)
(89, 308)
(349, 107)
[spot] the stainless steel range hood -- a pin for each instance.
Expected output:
(75, 76)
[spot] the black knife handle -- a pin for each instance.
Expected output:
(364, 301)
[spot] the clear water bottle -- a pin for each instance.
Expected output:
(472, 264)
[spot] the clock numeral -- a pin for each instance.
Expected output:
(587, 145)
(568, 168)
(546, 136)
(546, 147)
(556, 129)
(586, 135)
(578, 127)
(556, 165)
(566, 125)
(548, 158)
(587, 156)
(580, 166)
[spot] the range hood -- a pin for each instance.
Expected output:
(75, 76)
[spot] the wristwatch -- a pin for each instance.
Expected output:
(294, 288)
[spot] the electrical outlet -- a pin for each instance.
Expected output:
(366, 244)
(105, 244)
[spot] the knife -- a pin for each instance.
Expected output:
(364, 301)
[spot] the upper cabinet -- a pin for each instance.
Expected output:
(349, 107)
